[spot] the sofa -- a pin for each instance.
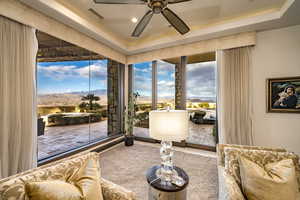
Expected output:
(13, 188)
(229, 182)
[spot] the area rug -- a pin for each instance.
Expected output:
(127, 167)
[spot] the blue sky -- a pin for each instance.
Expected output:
(73, 76)
(201, 80)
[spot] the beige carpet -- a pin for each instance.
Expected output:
(127, 166)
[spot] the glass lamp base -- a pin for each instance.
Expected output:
(166, 173)
(169, 178)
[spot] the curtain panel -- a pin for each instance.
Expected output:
(18, 120)
(234, 96)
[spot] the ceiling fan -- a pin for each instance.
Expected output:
(156, 7)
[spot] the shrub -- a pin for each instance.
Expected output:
(62, 119)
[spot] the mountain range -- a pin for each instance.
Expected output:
(74, 98)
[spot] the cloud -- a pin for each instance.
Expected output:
(143, 70)
(164, 68)
(97, 70)
(166, 88)
(201, 80)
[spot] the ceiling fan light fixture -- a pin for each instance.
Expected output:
(155, 7)
(134, 20)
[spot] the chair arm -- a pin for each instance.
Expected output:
(112, 191)
(228, 187)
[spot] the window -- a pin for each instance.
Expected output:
(201, 102)
(98, 88)
(165, 85)
(142, 83)
(72, 105)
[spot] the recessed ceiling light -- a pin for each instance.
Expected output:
(134, 20)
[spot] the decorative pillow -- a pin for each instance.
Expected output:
(259, 157)
(13, 187)
(52, 190)
(88, 180)
(274, 181)
(85, 184)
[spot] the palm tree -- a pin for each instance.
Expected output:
(91, 98)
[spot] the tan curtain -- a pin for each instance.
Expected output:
(234, 96)
(18, 121)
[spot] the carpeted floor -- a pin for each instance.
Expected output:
(127, 166)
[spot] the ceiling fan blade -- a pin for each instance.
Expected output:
(177, 1)
(142, 24)
(120, 1)
(175, 21)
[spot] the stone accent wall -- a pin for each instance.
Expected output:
(113, 95)
(180, 84)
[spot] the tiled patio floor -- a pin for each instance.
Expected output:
(59, 139)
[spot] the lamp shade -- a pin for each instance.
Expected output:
(169, 125)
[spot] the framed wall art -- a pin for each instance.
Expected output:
(283, 95)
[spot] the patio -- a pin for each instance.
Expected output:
(58, 139)
(198, 134)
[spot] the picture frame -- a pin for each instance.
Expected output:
(283, 95)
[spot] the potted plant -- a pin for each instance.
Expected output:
(130, 118)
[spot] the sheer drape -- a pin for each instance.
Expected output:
(234, 96)
(18, 119)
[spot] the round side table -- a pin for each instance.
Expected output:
(157, 191)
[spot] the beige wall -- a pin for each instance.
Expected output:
(277, 54)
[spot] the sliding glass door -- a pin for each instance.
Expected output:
(165, 85)
(142, 91)
(98, 92)
(201, 102)
(72, 105)
(72, 97)
(179, 83)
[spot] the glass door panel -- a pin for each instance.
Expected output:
(201, 102)
(98, 98)
(62, 122)
(165, 85)
(142, 89)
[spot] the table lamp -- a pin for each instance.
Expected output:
(168, 126)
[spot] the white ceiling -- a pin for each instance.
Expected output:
(206, 18)
(117, 18)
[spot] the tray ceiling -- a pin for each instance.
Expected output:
(112, 25)
(195, 13)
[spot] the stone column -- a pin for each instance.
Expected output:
(115, 94)
(154, 85)
(121, 103)
(130, 81)
(180, 84)
(130, 90)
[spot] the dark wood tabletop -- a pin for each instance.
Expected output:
(151, 177)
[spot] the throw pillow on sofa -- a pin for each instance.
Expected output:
(260, 157)
(85, 185)
(274, 181)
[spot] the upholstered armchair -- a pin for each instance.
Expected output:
(12, 188)
(228, 167)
